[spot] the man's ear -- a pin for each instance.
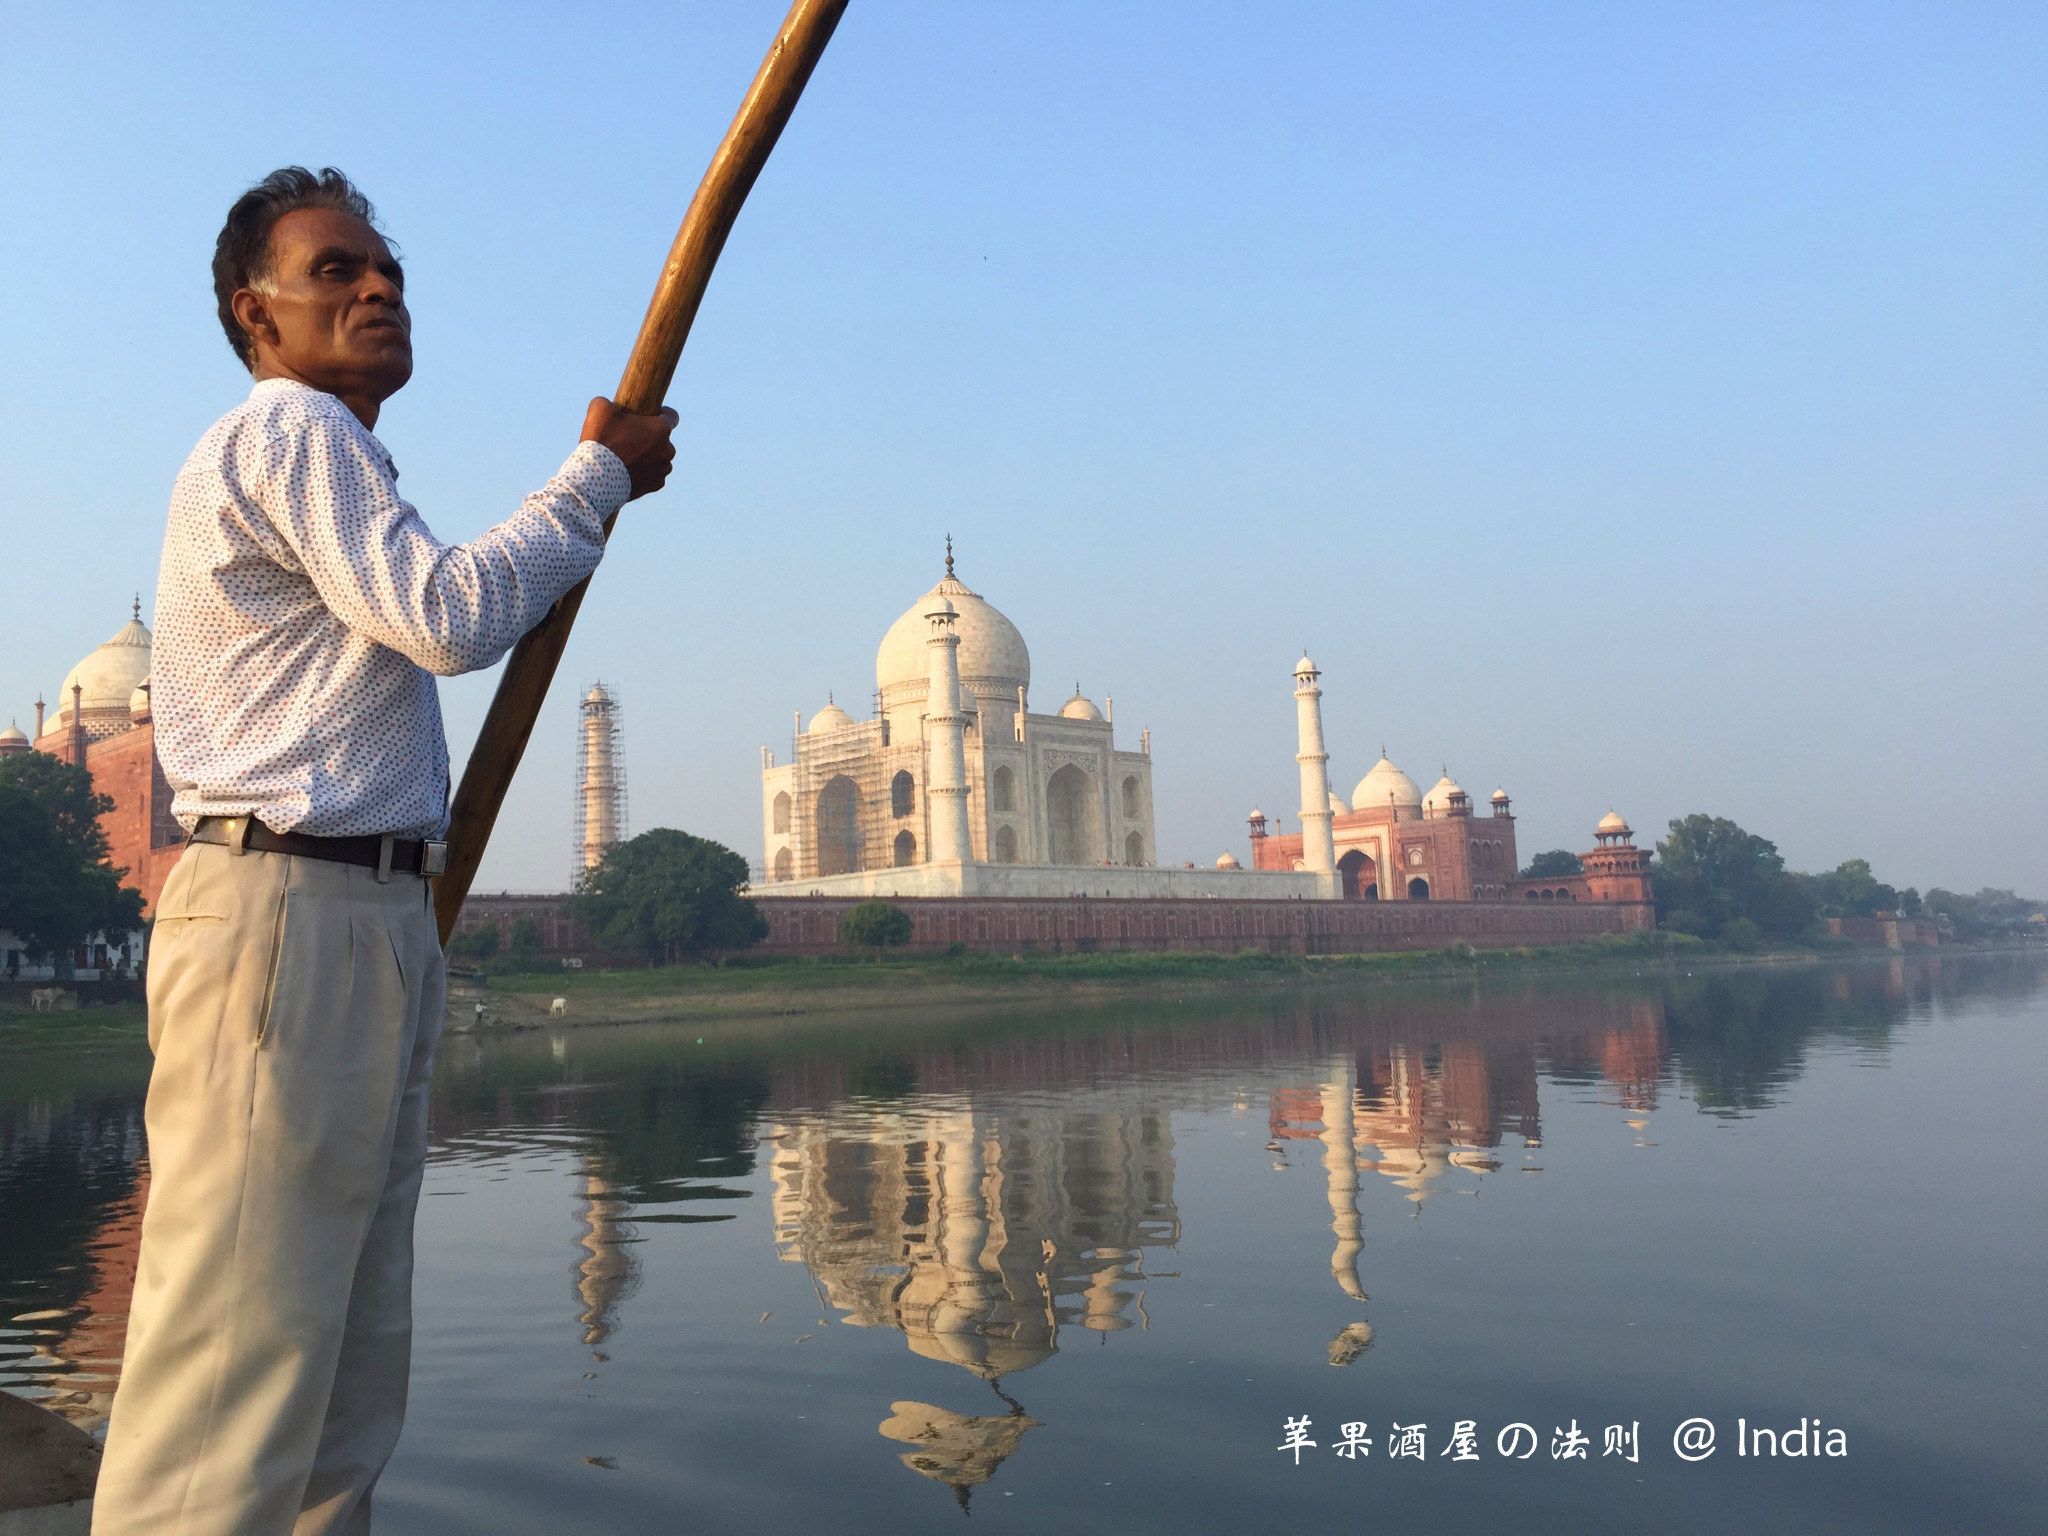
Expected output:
(252, 314)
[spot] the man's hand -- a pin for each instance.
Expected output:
(641, 442)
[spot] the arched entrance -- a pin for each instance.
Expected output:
(1418, 889)
(781, 812)
(1134, 849)
(1006, 844)
(902, 795)
(906, 850)
(1359, 875)
(839, 827)
(785, 865)
(1072, 817)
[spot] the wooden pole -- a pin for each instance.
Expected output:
(524, 685)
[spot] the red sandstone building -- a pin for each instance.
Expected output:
(103, 725)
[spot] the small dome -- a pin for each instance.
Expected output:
(830, 718)
(111, 673)
(14, 733)
(1438, 799)
(1305, 667)
(1256, 815)
(1383, 781)
(1080, 708)
(1611, 823)
(597, 695)
(1228, 861)
(138, 703)
(1337, 804)
(1500, 797)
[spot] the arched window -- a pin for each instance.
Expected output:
(1073, 817)
(906, 850)
(839, 827)
(1006, 843)
(1418, 889)
(1356, 871)
(902, 794)
(785, 865)
(1370, 893)
(1131, 798)
(1134, 845)
(1550, 895)
(1530, 895)
(1003, 792)
(782, 812)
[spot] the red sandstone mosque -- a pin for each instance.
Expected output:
(1392, 842)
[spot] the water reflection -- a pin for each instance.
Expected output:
(979, 1233)
(995, 1189)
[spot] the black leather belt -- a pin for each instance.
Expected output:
(385, 854)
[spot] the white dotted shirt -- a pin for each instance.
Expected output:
(303, 606)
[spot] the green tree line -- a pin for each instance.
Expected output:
(1717, 881)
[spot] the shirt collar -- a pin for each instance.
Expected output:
(282, 386)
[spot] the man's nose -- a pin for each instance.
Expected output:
(377, 288)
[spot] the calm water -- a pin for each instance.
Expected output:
(1075, 1272)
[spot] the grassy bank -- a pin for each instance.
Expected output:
(834, 982)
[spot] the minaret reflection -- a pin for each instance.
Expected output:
(607, 1273)
(1340, 1162)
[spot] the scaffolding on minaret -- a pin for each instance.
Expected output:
(600, 778)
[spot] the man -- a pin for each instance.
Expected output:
(295, 981)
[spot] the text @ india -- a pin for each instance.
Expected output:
(1694, 1440)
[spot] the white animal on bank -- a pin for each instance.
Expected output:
(559, 1007)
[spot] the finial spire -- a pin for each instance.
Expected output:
(135, 609)
(949, 554)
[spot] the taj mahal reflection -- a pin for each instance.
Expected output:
(982, 1234)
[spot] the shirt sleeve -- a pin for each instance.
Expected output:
(451, 608)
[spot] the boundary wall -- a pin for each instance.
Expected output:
(808, 925)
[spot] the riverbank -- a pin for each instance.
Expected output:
(767, 988)
(844, 985)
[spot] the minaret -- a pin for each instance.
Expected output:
(1318, 849)
(947, 791)
(599, 799)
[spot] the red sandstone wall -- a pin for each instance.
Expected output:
(141, 836)
(800, 925)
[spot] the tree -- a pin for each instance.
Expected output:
(1851, 890)
(479, 943)
(1711, 874)
(65, 793)
(1548, 866)
(56, 888)
(1990, 914)
(670, 896)
(876, 925)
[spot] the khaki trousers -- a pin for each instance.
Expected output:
(293, 1009)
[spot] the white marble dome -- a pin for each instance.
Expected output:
(1438, 800)
(14, 738)
(1611, 823)
(1382, 781)
(1337, 805)
(1080, 707)
(138, 703)
(1228, 861)
(830, 718)
(992, 653)
(109, 677)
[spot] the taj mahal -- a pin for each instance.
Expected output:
(956, 788)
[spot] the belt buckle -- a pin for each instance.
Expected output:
(433, 858)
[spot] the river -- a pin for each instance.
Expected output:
(1442, 1257)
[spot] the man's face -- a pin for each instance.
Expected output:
(335, 315)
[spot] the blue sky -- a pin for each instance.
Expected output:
(1634, 406)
